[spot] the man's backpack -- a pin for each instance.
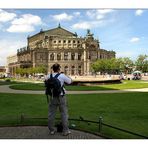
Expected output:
(53, 86)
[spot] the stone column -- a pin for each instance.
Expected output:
(69, 56)
(62, 56)
(55, 56)
(88, 62)
(76, 56)
(49, 57)
(69, 70)
(85, 63)
(75, 72)
(88, 67)
(34, 57)
(76, 69)
(98, 55)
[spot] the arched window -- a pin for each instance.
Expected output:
(59, 56)
(79, 56)
(72, 70)
(65, 56)
(73, 56)
(66, 70)
(79, 70)
(52, 57)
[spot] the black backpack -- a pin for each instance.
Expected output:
(53, 86)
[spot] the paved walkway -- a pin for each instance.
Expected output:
(41, 132)
(6, 89)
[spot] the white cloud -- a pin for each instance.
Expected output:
(87, 24)
(27, 19)
(97, 18)
(1, 26)
(98, 13)
(105, 11)
(6, 16)
(134, 39)
(77, 13)
(138, 12)
(82, 25)
(62, 16)
(25, 23)
(9, 47)
(21, 28)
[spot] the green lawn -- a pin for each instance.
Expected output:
(10, 82)
(124, 85)
(128, 111)
(5, 82)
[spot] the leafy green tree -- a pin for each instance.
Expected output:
(31, 70)
(142, 63)
(128, 65)
(114, 65)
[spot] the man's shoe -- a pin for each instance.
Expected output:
(52, 132)
(66, 133)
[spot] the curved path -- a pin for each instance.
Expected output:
(6, 89)
(41, 132)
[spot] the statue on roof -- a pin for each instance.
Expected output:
(89, 34)
(41, 30)
(76, 34)
(59, 26)
(88, 31)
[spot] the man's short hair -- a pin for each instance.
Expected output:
(56, 67)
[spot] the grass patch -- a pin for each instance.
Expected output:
(127, 111)
(28, 86)
(6, 82)
(10, 82)
(125, 85)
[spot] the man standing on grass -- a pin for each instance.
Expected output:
(58, 101)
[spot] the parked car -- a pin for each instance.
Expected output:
(136, 75)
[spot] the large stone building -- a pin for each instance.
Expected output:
(12, 64)
(75, 54)
(2, 71)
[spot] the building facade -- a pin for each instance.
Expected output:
(12, 64)
(2, 71)
(75, 54)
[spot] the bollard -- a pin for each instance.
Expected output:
(22, 118)
(100, 124)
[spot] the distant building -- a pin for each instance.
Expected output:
(75, 54)
(2, 71)
(12, 64)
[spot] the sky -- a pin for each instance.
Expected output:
(124, 31)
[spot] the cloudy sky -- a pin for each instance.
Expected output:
(124, 31)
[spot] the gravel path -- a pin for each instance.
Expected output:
(41, 132)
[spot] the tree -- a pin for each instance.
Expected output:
(142, 63)
(99, 66)
(128, 65)
(114, 65)
(31, 70)
(105, 65)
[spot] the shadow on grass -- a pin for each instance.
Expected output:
(10, 82)
(41, 87)
(75, 86)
